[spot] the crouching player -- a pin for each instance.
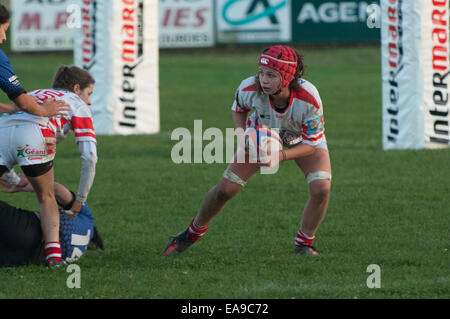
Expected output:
(280, 99)
(21, 239)
(30, 141)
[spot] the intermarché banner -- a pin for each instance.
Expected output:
(322, 21)
(117, 42)
(415, 74)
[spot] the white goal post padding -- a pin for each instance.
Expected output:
(117, 42)
(415, 74)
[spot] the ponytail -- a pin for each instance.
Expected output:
(67, 77)
(299, 72)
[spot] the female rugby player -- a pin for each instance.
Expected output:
(278, 98)
(30, 141)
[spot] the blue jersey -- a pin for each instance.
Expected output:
(75, 233)
(9, 82)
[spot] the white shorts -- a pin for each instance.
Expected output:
(27, 144)
(322, 144)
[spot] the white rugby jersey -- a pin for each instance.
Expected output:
(79, 118)
(301, 121)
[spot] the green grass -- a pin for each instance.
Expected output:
(387, 208)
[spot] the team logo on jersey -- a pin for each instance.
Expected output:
(314, 125)
(20, 151)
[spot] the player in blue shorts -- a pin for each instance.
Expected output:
(21, 240)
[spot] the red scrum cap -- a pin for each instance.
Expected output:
(282, 59)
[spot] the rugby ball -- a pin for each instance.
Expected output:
(261, 142)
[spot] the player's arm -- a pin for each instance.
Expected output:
(88, 150)
(14, 183)
(10, 84)
(298, 151)
(83, 127)
(312, 132)
(49, 108)
(8, 108)
(239, 111)
(239, 119)
(301, 150)
(19, 183)
(64, 197)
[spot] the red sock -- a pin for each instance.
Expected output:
(195, 231)
(303, 239)
(53, 250)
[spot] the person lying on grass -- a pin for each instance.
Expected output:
(21, 239)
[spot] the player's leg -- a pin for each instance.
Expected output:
(233, 180)
(231, 183)
(41, 178)
(317, 170)
(37, 150)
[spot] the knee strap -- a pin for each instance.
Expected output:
(318, 175)
(232, 177)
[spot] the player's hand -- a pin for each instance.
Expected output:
(24, 182)
(23, 186)
(52, 107)
(271, 160)
(9, 108)
(15, 108)
(76, 207)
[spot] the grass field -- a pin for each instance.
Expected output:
(387, 208)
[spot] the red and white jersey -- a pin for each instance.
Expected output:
(78, 119)
(300, 121)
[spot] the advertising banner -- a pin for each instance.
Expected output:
(434, 58)
(186, 23)
(117, 42)
(253, 21)
(322, 21)
(37, 26)
(415, 69)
